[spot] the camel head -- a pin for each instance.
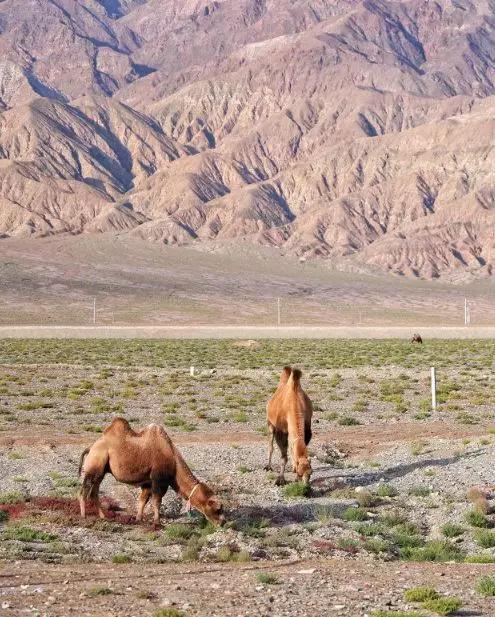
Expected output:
(209, 505)
(303, 469)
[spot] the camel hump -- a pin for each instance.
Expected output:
(295, 377)
(118, 425)
(286, 373)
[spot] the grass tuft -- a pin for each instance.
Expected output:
(297, 489)
(420, 594)
(485, 586)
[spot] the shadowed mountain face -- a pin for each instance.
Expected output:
(358, 131)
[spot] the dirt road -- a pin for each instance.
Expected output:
(244, 332)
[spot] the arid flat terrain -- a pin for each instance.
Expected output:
(56, 280)
(402, 495)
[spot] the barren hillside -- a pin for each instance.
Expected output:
(359, 131)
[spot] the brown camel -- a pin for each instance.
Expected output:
(147, 459)
(289, 413)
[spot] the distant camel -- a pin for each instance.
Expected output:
(147, 459)
(416, 338)
(289, 413)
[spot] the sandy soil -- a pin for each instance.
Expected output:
(316, 588)
(53, 281)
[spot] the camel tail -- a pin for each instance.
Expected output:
(81, 460)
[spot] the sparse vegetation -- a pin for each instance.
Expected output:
(386, 490)
(485, 538)
(443, 606)
(267, 578)
(485, 586)
(420, 594)
(169, 612)
(476, 518)
(297, 489)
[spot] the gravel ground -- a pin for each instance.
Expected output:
(389, 474)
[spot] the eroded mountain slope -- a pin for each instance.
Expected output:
(350, 130)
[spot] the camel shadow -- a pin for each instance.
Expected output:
(326, 476)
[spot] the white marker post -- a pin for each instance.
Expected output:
(433, 389)
(191, 371)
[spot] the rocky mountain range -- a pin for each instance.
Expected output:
(357, 131)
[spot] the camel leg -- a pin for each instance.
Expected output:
(280, 481)
(143, 500)
(95, 497)
(90, 491)
(283, 444)
(270, 448)
(156, 500)
(82, 505)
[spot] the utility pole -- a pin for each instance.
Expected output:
(278, 312)
(94, 311)
(467, 313)
(433, 389)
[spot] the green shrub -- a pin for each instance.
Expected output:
(476, 518)
(486, 586)
(178, 531)
(354, 514)
(443, 606)
(450, 530)
(376, 545)
(99, 591)
(11, 497)
(480, 559)
(419, 491)
(121, 559)
(267, 578)
(420, 594)
(435, 550)
(485, 538)
(297, 489)
(169, 612)
(27, 534)
(395, 614)
(386, 490)
(348, 421)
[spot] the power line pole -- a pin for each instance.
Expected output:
(278, 312)
(467, 313)
(433, 388)
(94, 311)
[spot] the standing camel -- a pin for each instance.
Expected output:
(289, 413)
(147, 459)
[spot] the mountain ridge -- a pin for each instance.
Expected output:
(332, 129)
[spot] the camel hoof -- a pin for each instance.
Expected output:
(268, 468)
(280, 481)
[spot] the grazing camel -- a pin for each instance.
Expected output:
(289, 413)
(416, 338)
(147, 459)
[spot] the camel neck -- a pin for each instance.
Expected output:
(185, 480)
(295, 423)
